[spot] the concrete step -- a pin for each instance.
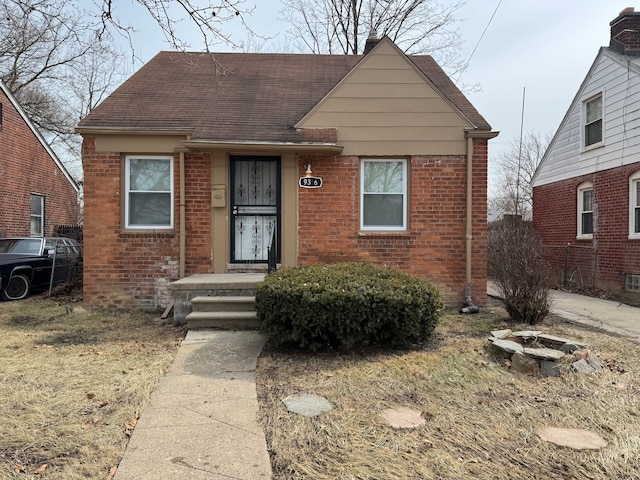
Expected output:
(223, 320)
(223, 304)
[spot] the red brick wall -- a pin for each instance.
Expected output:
(135, 268)
(603, 261)
(26, 168)
(433, 248)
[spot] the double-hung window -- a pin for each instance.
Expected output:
(634, 206)
(585, 211)
(592, 120)
(37, 215)
(383, 194)
(149, 192)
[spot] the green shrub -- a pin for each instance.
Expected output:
(346, 305)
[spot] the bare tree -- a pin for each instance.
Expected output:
(342, 26)
(59, 60)
(207, 18)
(517, 166)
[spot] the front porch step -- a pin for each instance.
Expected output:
(216, 293)
(223, 320)
(223, 304)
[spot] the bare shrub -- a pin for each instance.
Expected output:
(516, 264)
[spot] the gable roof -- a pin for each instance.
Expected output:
(38, 135)
(240, 96)
(631, 64)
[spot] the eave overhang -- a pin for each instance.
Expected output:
(487, 134)
(250, 146)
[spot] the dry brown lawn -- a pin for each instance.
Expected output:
(482, 417)
(72, 384)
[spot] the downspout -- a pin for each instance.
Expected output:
(469, 305)
(183, 229)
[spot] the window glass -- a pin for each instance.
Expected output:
(587, 212)
(150, 193)
(383, 200)
(37, 215)
(593, 122)
(634, 205)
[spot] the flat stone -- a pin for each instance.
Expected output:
(569, 347)
(582, 366)
(559, 341)
(527, 334)
(544, 353)
(573, 438)
(508, 346)
(403, 417)
(524, 364)
(500, 333)
(594, 361)
(552, 369)
(307, 405)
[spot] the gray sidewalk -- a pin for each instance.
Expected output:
(201, 421)
(614, 317)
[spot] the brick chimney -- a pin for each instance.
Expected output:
(371, 42)
(625, 33)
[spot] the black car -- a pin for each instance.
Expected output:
(27, 264)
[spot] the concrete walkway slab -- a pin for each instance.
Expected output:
(614, 317)
(201, 420)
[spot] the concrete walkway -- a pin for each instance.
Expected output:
(201, 421)
(614, 317)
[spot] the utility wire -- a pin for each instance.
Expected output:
(466, 65)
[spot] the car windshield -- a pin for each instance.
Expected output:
(29, 246)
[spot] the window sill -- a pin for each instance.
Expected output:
(592, 147)
(384, 233)
(148, 231)
(634, 236)
(584, 237)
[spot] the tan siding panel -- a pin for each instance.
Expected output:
(371, 90)
(141, 144)
(397, 119)
(403, 148)
(390, 133)
(380, 105)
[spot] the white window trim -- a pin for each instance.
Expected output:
(127, 185)
(583, 121)
(404, 195)
(633, 192)
(41, 216)
(581, 188)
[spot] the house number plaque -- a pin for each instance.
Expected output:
(310, 182)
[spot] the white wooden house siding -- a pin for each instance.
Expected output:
(618, 79)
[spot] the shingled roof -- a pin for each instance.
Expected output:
(240, 96)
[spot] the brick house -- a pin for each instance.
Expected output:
(586, 191)
(199, 162)
(37, 193)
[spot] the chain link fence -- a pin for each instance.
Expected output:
(66, 273)
(574, 266)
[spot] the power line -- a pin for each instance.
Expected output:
(466, 65)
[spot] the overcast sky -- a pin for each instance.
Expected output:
(542, 46)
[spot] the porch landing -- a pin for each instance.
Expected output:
(225, 301)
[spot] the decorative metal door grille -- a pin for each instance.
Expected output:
(255, 207)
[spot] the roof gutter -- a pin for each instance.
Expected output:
(470, 307)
